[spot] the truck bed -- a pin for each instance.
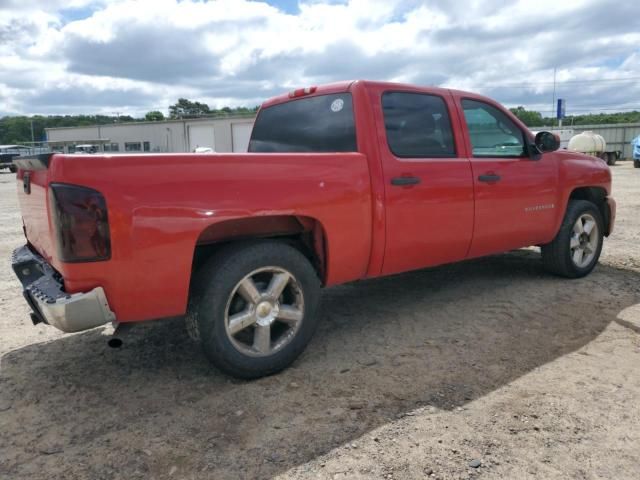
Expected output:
(161, 206)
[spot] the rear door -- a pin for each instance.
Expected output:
(428, 186)
(515, 196)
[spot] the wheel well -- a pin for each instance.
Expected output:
(597, 196)
(306, 234)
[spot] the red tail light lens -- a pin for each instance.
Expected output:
(79, 216)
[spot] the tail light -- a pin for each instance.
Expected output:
(79, 216)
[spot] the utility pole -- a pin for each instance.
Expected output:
(33, 140)
(553, 99)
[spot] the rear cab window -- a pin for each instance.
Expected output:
(319, 124)
(491, 132)
(417, 125)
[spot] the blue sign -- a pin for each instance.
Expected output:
(561, 109)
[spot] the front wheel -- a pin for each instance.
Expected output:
(577, 246)
(254, 308)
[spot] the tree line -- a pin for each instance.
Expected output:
(535, 119)
(22, 129)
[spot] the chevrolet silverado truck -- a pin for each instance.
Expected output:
(341, 182)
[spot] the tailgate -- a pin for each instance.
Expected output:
(32, 183)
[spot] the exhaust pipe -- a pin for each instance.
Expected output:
(120, 330)
(115, 342)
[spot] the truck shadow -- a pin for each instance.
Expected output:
(440, 337)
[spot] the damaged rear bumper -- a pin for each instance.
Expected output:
(44, 292)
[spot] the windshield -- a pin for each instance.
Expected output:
(316, 124)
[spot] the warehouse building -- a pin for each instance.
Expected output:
(221, 134)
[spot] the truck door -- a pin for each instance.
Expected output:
(428, 186)
(515, 196)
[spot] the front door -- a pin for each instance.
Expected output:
(428, 186)
(515, 196)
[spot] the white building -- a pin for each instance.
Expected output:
(222, 134)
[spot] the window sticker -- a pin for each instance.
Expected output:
(337, 105)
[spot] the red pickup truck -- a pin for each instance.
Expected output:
(341, 182)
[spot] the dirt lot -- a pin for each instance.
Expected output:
(413, 376)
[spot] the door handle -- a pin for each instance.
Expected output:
(489, 178)
(404, 181)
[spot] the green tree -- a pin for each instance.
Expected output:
(535, 119)
(528, 117)
(17, 129)
(154, 116)
(187, 109)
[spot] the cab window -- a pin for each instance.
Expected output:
(319, 124)
(491, 132)
(417, 125)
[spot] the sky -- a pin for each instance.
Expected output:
(133, 56)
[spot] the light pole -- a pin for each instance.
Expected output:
(553, 98)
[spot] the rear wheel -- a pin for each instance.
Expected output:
(254, 308)
(577, 246)
(611, 158)
(636, 164)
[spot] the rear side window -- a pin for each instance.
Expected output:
(316, 124)
(417, 125)
(491, 132)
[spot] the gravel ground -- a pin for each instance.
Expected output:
(484, 369)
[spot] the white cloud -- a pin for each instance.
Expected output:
(137, 55)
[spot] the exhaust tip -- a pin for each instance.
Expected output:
(114, 342)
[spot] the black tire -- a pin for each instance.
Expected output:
(636, 164)
(215, 288)
(557, 257)
(611, 158)
(13, 168)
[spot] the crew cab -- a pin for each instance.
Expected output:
(341, 182)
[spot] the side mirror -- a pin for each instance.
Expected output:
(547, 142)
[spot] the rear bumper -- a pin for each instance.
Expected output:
(44, 292)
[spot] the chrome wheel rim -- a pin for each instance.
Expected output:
(584, 240)
(264, 311)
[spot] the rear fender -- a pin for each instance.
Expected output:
(305, 233)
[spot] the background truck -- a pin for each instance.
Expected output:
(342, 182)
(605, 151)
(9, 152)
(635, 151)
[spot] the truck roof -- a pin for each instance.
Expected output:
(344, 86)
